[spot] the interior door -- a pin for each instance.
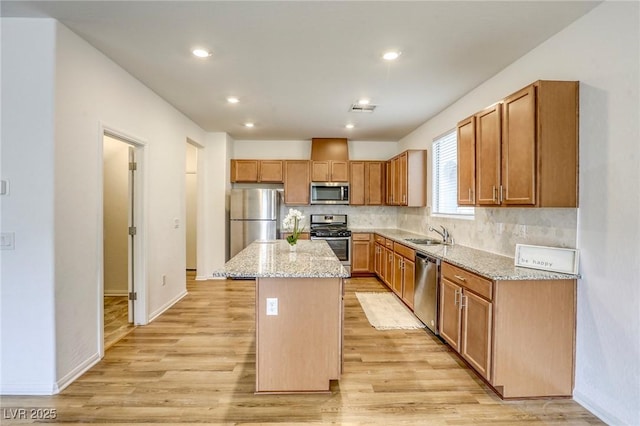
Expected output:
(132, 234)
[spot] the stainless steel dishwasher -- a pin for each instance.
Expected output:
(426, 291)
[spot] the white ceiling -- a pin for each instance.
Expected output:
(298, 66)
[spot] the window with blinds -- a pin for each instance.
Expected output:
(445, 177)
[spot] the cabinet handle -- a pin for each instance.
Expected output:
(460, 278)
(501, 194)
(463, 298)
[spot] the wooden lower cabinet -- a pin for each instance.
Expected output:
(379, 257)
(518, 335)
(450, 313)
(394, 264)
(387, 276)
(475, 346)
(396, 282)
(404, 273)
(362, 254)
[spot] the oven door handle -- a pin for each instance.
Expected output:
(330, 238)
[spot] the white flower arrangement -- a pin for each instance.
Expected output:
(293, 221)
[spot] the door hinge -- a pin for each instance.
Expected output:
(133, 295)
(133, 166)
(132, 230)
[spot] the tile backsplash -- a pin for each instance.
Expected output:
(496, 230)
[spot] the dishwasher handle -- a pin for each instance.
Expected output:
(420, 257)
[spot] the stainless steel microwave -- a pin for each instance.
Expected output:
(329, 193)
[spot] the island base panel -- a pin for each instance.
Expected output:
(300, 348)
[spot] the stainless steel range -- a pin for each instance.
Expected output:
(333, 229)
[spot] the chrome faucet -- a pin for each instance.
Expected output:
(446, 237)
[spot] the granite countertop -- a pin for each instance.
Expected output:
(273, 258)
(489, 265)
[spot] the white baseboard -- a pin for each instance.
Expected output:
(596, 409)
(77, 372)
(7, 389)
(166, 306)
(49, 388)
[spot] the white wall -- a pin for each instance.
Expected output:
(56, 207)
(301, 149)
(92, 90)
(27, 352)
(213, 187)
(601, 50)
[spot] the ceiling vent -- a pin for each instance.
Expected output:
(362, 108)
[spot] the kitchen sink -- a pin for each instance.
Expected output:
(423, 241)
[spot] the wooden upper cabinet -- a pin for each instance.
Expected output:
(366, 183)
(540, 145)
(244, 170)
(407, 179)
(374, 183)
(296, 182)
(519, 148)
(402, 183)
(357, 186)
(526, 149)
(467, 162)
(391, 179)
(252, 171)
(271, 171)
(330, 171)
(488, 156)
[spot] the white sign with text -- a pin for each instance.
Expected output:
(552, 259)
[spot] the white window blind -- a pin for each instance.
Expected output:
(445, 176)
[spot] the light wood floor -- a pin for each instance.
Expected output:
(196, 364)
(116, 319)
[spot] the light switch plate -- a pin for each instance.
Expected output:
(272, 306)
(7, 241)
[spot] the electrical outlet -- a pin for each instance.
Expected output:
(164, 280)
(272, 306)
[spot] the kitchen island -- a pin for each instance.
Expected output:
(299, 313)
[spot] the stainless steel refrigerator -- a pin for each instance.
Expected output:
(253, 215)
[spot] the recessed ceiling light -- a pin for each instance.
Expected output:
(249, 124)
(233, 100)
(391, 55)
(349, 126)
(363, 102)
(201, 53)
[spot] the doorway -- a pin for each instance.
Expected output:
(191, 191)
(118, 233)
